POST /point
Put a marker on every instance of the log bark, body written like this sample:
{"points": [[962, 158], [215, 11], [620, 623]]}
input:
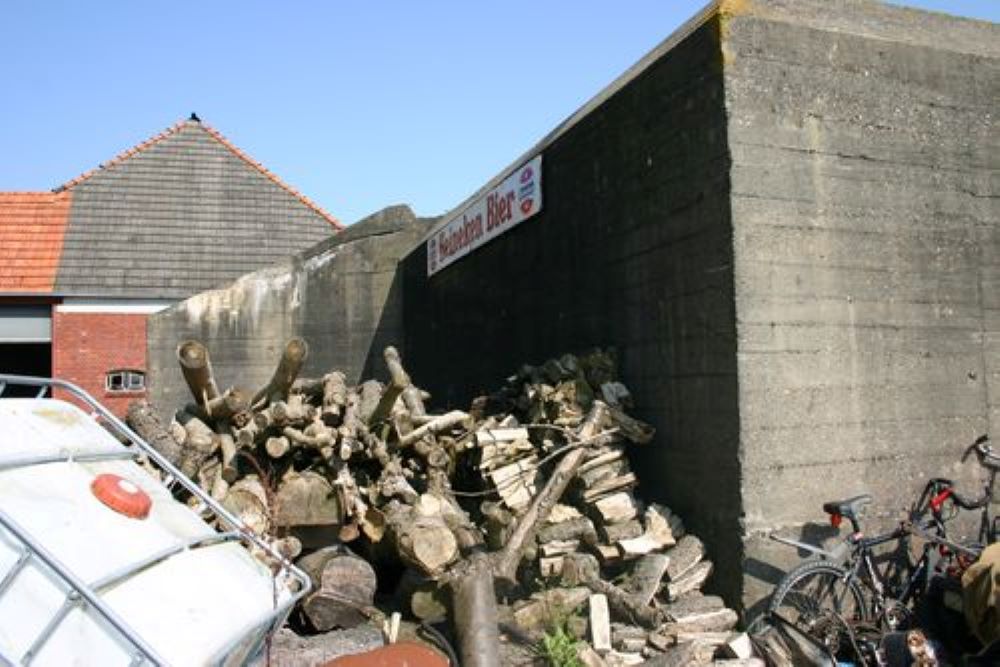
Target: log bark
{"points": [[228, 404], [433, 427], [683, 557], [247, 500], [425, 543], [625, 606], [293, 356], [334, 398], [646, 577], [581, 529], [306, 499], [196, 367], [144, 420], [473, 599], [201, 442], [345, 589], [412, 397]]}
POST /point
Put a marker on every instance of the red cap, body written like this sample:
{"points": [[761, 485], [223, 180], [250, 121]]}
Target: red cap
{"points": [[121, 495]]}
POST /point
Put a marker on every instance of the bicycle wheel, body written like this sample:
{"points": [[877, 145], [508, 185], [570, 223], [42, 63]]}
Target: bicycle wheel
{"points": [[818, 599]]}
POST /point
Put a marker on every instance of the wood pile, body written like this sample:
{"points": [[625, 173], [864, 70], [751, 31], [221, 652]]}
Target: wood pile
{"points": [[527, 496]]}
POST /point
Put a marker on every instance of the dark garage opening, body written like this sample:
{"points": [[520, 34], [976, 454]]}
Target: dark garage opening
{"points": [[25, 359]]}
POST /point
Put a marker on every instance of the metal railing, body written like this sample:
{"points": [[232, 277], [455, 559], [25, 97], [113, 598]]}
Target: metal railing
{"points": [[83, 594]]}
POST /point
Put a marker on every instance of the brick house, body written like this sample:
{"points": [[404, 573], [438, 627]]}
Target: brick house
{"points": [[82, 266]]}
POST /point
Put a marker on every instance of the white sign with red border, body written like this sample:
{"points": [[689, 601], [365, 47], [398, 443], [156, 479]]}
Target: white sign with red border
{"points": [[515, 200]]}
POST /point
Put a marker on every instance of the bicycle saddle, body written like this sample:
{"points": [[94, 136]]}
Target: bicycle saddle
{"points": [[848, 508]]}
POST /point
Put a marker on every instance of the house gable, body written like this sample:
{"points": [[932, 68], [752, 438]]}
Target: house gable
{"points": [[178, 214]]}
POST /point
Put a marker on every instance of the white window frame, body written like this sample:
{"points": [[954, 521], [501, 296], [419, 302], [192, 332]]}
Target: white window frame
{"points": [[130, 381]]}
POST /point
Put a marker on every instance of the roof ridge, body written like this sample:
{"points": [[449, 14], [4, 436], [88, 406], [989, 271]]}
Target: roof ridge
{"points": [[121, 157], [218, 136]]}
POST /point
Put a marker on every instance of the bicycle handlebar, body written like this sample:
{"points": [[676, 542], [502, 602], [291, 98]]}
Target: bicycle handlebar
{"points": [[984, 453]]}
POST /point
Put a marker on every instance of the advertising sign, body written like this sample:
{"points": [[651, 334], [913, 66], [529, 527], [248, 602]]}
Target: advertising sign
{"points": [[515, 200]]}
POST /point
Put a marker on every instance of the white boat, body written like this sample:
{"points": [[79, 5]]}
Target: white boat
{"points": [[100, 565]]}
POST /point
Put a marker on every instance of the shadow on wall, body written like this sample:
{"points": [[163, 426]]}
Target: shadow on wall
{"points": [[388, 331], [767, 574]]}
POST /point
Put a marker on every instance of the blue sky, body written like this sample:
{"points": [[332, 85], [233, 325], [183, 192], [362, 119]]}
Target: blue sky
{"points": [[356, 104]]}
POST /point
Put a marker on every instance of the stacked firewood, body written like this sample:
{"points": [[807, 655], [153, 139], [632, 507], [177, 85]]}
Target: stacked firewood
{"points": [[530, 488]]}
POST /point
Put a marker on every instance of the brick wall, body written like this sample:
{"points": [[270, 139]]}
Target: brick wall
{"points": [[85, 346]]}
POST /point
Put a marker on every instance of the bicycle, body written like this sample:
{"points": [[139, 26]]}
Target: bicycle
{"points": [[844, 596]]}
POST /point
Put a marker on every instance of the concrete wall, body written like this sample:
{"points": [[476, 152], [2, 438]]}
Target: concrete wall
{"points": [[342, 296], [785, 220], [865, 156], [633, 248]]}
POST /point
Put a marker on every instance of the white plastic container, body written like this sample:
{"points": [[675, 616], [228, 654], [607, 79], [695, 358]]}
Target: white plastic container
{"points": [[208, 604]]}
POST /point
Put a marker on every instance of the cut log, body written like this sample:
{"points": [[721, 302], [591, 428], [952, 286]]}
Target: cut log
{"points": [[196, 367], [600, 623], [277, 389], [638, 546], [334, 398], [593, 477], [228, 449], [288, 649], [693, 605], [145, 421], [609, 485], [716, 620], [436, 425], [602, 458], [306, 499], [580, 529], [577, 568], [691, 580], [558, 548], [624, 530], [201, 442], [524, 532], [616, 394], [247, 501], [493, 436], [688, 553], [412, 396], [616, 507], [543, 609], [625, 606], [473, 600], [517, 483], [646, 577], [657, 522], [277, 446], [224, 406], [633, 429], [422, 542], [345, 591], [562, 513], [551, 566], [608, 554], [369, 393]]}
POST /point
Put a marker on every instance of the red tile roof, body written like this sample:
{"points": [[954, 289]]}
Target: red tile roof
{"points": [[32, 226], [215, 134]]}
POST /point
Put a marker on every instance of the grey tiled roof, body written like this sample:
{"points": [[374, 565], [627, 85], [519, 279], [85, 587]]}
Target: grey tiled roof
{"points": [[182, 213]]}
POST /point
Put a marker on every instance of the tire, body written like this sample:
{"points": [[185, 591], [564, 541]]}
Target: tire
{"points": [[815, 598]]}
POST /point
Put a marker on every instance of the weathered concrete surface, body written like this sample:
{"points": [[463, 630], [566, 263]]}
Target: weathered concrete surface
{"points": [[786, 222], [633, 248], [342, 296], [864, 194]]}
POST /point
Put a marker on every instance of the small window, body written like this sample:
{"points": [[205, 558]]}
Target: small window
{"points": [[125, 381]]}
